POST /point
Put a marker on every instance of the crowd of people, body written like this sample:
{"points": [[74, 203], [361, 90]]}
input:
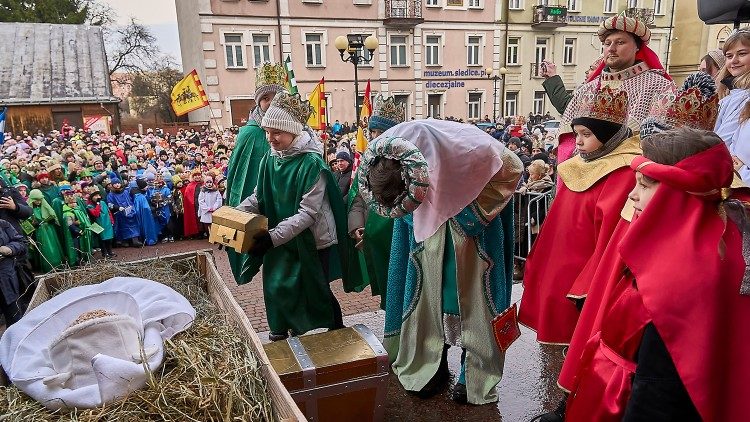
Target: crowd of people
{"points": [[424, 214]]}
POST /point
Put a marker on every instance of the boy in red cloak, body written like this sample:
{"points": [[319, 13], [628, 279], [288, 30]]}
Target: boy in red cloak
{"points": [[671, 344], [190, 194], [593, 189], [695, 106]]}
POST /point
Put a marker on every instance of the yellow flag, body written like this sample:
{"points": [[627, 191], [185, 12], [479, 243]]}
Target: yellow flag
{"points": [[365, 112], [188, 94], [317, 100]]}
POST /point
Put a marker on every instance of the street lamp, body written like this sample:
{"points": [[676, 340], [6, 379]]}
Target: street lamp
{"points": [[352, 43], [495, 76]]}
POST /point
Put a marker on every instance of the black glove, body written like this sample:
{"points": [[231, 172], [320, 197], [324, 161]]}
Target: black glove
{"points": [[262, 244]]}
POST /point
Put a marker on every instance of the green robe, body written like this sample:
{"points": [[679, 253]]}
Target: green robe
{"points": [[46, 253], [71, 253], [295, 289], [104, 221], [242, 176], [375, 253], [87, 236], [51, 192]]}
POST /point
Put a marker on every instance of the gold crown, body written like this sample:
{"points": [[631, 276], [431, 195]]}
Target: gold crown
{"points": [[294, 104], [270, 74], [389, 109], [693, 106], [606, 104]]}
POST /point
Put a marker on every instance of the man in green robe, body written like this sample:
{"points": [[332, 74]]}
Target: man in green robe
{"points": [[249, 148], [306, 246], [46, 252], [64, 234], [372, 232], [49, 189]]}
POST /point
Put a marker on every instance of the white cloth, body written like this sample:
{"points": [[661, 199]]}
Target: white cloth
{"points": [[60, 366], [208, 202], [462, 158]]}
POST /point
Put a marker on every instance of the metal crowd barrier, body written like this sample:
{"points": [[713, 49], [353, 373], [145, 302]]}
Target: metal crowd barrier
{"points": [[530, 211]]}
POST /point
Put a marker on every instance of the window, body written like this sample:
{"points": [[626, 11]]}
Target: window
{"points": [[515, 4], [432, 3], [314, 50], [261, 49], [475, 106], [398, 51], [539, 102], [403, 99], [658, 7], [434, 103], [475, 4], [363, 52], [541, 49], [574, 5], [511, 103], [543, 2], [610, 6], [632, 3], [474, 48], [432, 50], [233, 48], [569, 51], [512, 53]]}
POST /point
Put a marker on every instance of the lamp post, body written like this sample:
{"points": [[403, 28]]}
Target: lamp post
{"points": [[352, 43], [495, 76]]}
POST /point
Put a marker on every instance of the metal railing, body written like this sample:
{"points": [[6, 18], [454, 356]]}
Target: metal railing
{"points": [[403, 9], [555, 15], [531, 210]]}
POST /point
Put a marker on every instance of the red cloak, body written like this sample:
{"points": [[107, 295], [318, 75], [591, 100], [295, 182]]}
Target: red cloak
{"points": [[578, 225], [190, 219], [687, 262]]}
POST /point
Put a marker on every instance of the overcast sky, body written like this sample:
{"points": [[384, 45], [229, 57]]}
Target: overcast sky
{"points": [[159, 15]]}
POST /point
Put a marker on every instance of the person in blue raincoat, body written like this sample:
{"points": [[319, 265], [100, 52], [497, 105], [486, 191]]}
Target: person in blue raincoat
{"points": [[146, 224], [160, 198], [122, 206]]}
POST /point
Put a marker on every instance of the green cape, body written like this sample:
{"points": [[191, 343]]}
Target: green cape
{"points": [[46, 252], [242, 176]]}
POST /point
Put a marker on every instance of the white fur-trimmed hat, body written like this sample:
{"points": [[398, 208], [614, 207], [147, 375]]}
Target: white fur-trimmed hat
{"points": [[288, 113]]}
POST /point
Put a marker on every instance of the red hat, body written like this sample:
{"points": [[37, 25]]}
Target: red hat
{"points": [[40, 176]]}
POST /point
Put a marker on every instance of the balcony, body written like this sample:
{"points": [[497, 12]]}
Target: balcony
{"points": [[549, 17], [644, 15], [403, 13]]}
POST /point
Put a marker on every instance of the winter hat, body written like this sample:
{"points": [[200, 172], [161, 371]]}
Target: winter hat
{"points": [[41, 176], [141, 183], [718, 57], [386, 114], [288, 113], [343, 155], [269, 78]]}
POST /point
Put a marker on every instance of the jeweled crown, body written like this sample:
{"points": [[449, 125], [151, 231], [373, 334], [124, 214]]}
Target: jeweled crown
{"points": [[294, 104], [270, 74], [606, 104], [389, 109], [696, 105]]}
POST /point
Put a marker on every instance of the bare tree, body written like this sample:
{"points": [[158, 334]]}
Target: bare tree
{"points": [[133, 48]]}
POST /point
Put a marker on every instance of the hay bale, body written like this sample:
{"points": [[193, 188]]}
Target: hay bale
{"points": [[209, 373]]}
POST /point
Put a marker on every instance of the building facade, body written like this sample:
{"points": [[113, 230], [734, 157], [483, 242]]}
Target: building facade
{"points": [[55, 75], [432, 54]]}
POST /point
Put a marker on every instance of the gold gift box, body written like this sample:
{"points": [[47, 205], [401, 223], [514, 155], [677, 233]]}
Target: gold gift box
{"points": [[235, 229]]}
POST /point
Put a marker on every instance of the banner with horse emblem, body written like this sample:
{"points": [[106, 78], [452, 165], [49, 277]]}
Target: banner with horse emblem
{"points": [[188, 94]]}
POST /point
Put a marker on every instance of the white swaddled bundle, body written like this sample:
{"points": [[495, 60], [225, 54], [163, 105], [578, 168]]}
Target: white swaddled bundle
{"points": [[92, 344]]}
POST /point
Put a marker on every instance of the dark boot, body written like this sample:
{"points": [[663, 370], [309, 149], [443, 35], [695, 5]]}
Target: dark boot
{"points": [[277, 336], [439, 381], [557, 415], [134, 242], [459, 394]]}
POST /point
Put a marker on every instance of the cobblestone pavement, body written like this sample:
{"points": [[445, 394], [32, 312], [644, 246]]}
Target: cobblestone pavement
{"points": [[249, 296]]}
